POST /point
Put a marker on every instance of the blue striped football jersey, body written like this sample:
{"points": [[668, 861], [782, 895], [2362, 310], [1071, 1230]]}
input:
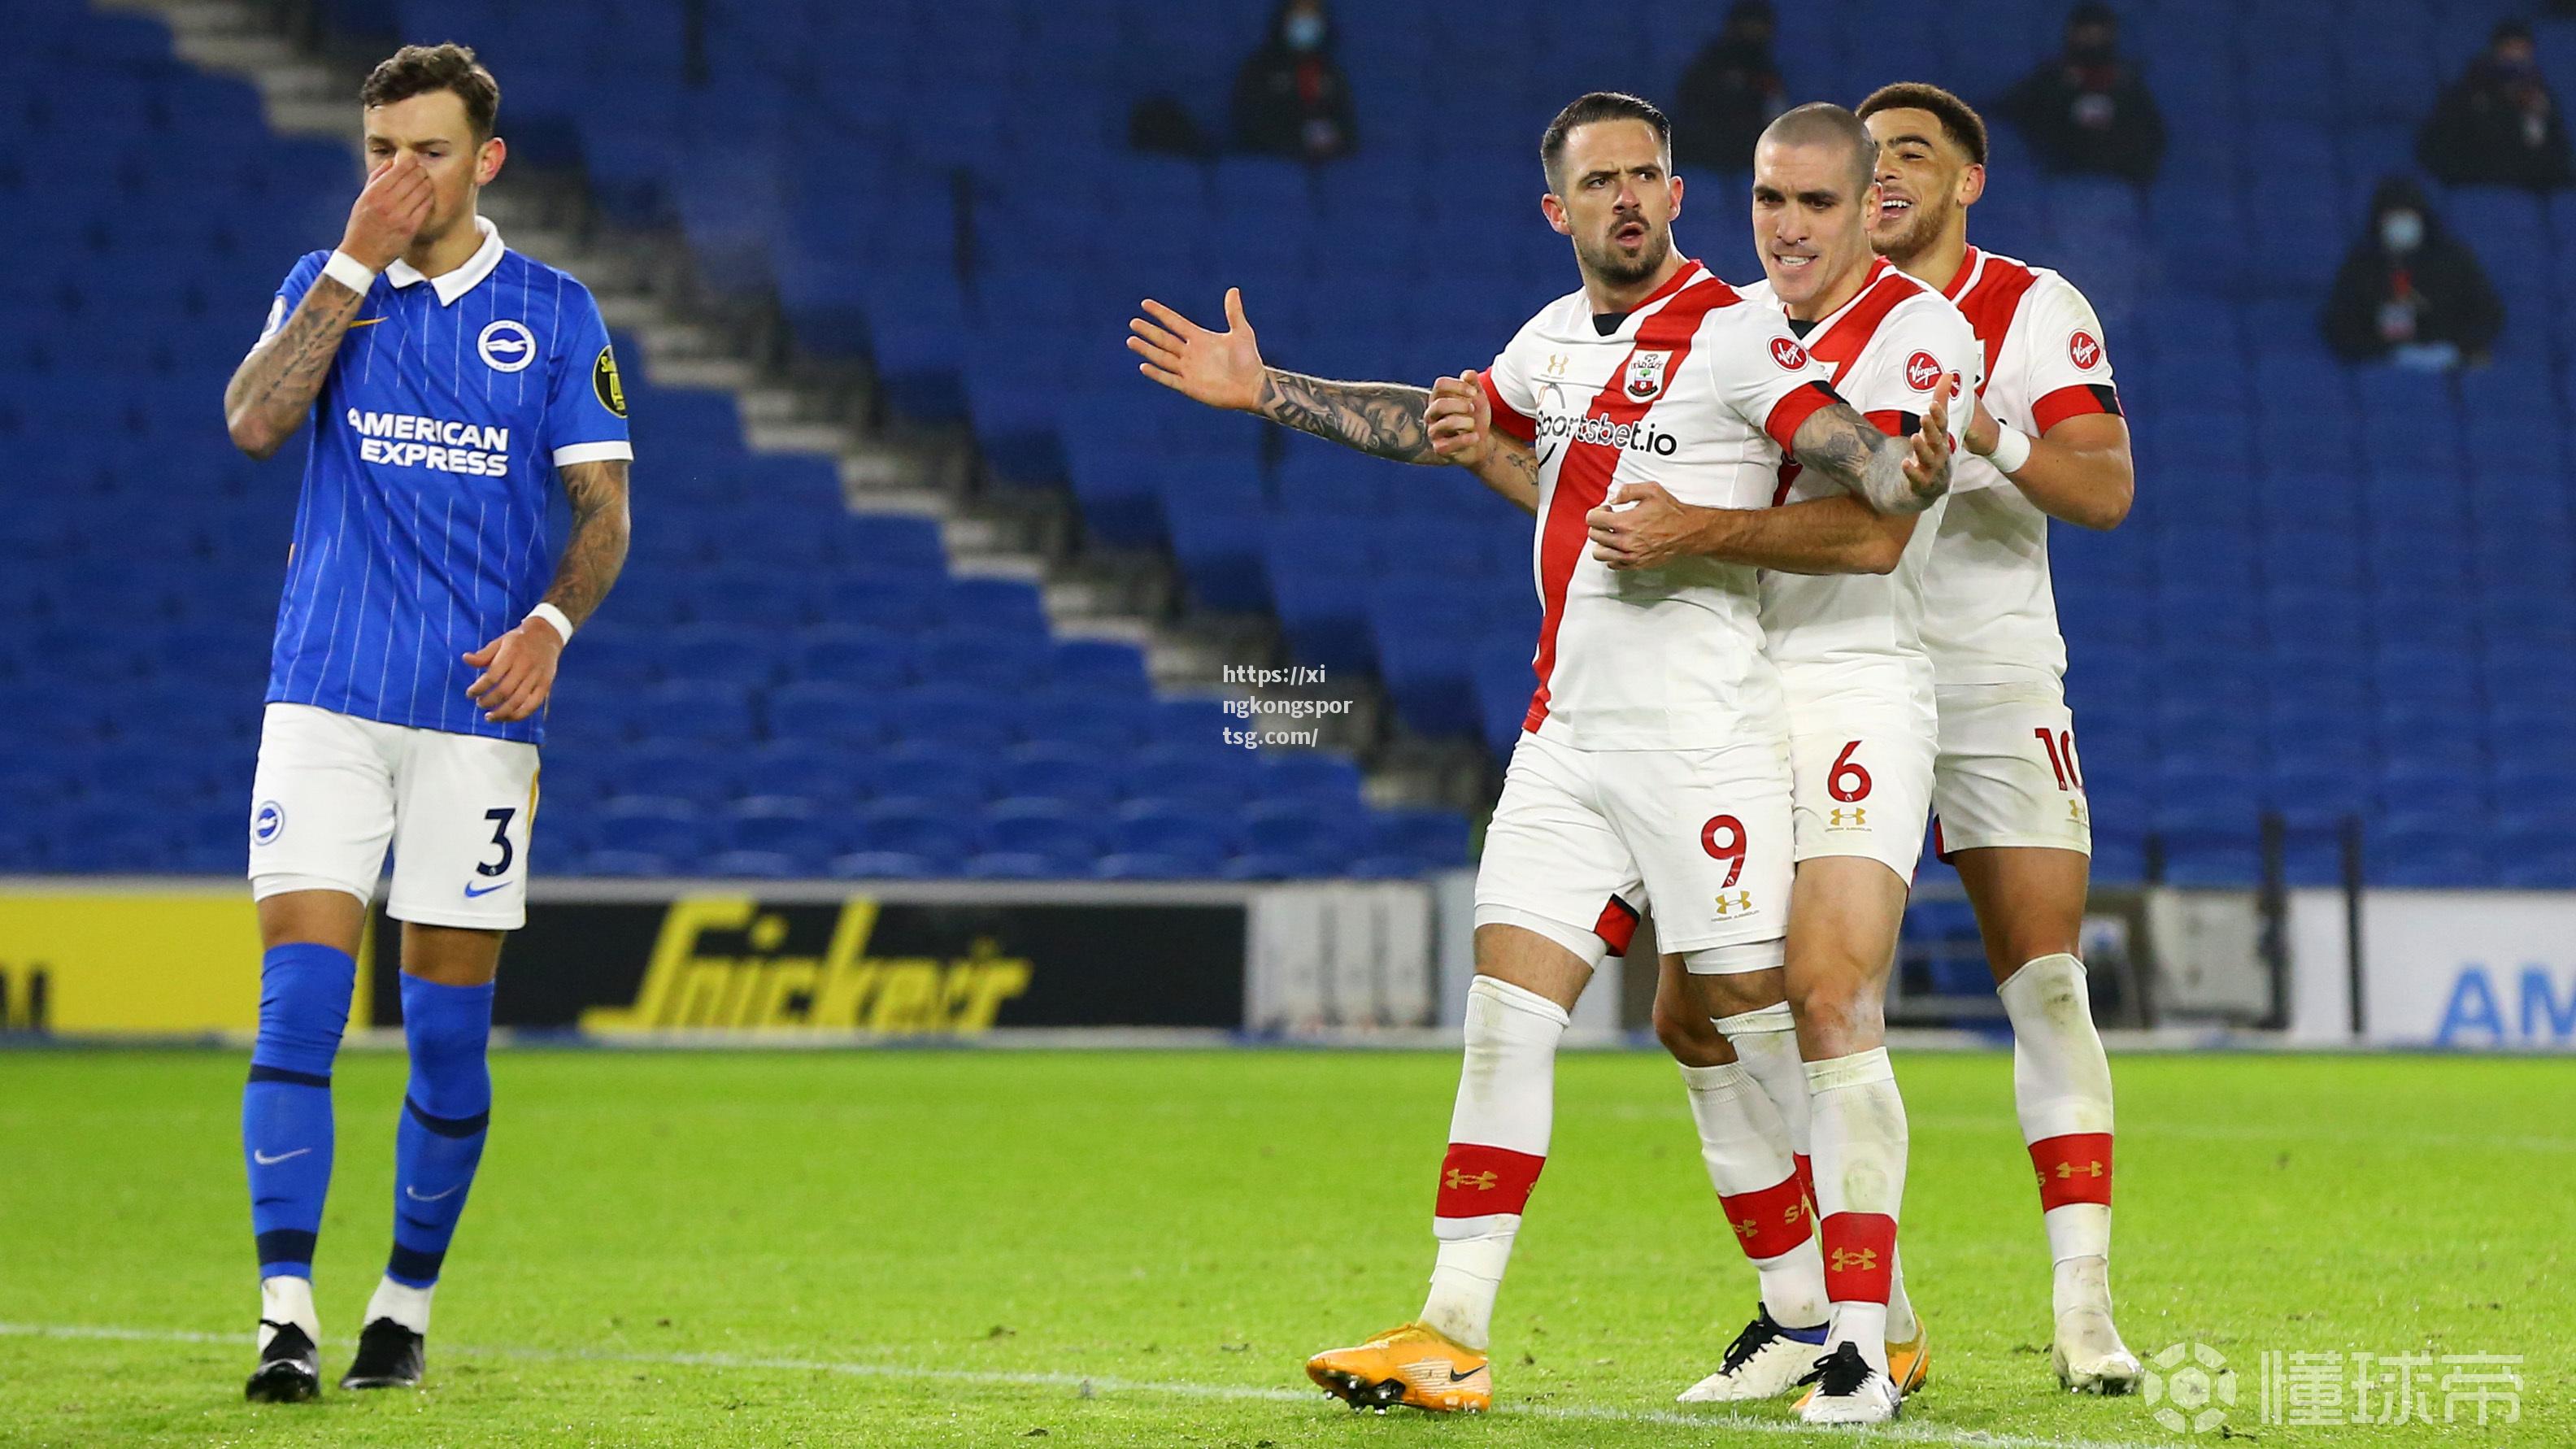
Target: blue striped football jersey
{"points": [[423, 534]]}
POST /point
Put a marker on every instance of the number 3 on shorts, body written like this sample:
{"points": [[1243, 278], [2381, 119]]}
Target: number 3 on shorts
{"points": [[500, 819], [1732, 851]]}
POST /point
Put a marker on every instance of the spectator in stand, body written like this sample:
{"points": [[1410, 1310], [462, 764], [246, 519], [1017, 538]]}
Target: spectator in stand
{"points": [[2498, 125], [2086, 111], [2409, 292], [1731, 91], [1290, 99]]}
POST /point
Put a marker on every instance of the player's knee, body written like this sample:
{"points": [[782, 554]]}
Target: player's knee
{"points": [[1690, 1036], [2015, 944], [311, 913], [443, 1037], [304, 996], [1836, 1006], [451, 956]]}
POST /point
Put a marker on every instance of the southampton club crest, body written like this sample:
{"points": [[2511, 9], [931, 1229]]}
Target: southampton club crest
{"points": [[1646, 375]]}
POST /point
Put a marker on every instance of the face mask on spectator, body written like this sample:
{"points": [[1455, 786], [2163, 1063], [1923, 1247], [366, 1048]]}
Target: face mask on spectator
{"points": [[1305, 31], [2401, 231]]}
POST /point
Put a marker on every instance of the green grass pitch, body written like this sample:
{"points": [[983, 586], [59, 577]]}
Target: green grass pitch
{"points": [[1139, 1248]]}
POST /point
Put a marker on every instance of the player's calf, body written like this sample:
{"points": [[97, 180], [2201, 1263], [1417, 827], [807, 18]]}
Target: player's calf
{"points": [[446, 1115]]}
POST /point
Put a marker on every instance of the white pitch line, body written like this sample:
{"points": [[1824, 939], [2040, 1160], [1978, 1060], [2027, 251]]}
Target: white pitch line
{"points": [[1087, 1385]]}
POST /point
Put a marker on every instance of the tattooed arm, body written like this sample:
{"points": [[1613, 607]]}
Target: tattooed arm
{"points": [[275, 386], [597, 551], [519, 667], [1383, 419], [1891, 475], [1511, 470]]}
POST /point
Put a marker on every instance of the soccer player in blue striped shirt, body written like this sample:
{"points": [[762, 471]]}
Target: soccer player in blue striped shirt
{"points": [[447, 379]]}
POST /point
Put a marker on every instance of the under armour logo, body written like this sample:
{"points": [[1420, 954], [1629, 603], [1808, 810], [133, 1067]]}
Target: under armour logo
{"points": [[1859, 817], [1740, 901], [1845, 1260], [1463, 1181]]}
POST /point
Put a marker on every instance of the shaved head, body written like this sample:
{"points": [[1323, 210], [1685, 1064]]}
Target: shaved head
{"points": [[1822, 123]]}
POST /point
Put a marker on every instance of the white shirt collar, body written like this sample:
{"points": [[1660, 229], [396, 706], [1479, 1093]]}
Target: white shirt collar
{"points": [[454, 284]]}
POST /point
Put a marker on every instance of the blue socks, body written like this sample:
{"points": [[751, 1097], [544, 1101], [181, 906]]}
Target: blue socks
{"points": [[286, 1107], [446, 1109], [287, 1127]]}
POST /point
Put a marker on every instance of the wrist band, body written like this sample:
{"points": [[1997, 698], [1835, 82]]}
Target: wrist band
{"points": [[2012, 449], [562, 622], [349, 272]]}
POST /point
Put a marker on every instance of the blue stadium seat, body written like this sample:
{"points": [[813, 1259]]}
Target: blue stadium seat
{"points": [[1176, 828], [673, 829], [920, 828]]}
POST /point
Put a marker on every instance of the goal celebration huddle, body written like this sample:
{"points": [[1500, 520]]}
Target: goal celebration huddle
{"points": [[1790, 545]]}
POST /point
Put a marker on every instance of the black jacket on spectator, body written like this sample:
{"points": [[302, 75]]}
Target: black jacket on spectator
{"points": [[2498, 125], [2431, 293], [1292, 100], [2086, 110], [1731, 91]]}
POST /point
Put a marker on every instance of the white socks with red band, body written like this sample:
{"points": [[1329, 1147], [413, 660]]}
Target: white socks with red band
{"points": [[1497, 1145], [2061, 1089], [1749, 1163], [1766, 1046], [1860, 1181]]}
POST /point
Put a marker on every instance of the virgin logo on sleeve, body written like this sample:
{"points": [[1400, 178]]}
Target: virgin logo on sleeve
{"points": [[2084, 351], [1786, 352], [1921, 371]]}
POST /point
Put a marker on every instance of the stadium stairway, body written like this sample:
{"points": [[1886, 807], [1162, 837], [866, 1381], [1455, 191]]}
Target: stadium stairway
{"points": [[825, 657]]}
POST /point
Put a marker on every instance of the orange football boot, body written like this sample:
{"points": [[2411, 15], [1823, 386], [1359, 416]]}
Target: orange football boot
{"points": [[1415, 1364]]}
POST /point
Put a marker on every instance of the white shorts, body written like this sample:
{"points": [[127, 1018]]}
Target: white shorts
{"points": [[1863, 780], [1583, 840], [2008, 775], [333, 790]]}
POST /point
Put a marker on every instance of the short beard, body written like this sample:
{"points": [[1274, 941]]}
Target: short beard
{"points": [[1922, 227], [1618, 271]]}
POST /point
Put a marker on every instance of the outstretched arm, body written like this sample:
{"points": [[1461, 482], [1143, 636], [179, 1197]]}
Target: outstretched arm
{"points": [[1379, 418], [519, 667], [1225, 370], [274, 387]]}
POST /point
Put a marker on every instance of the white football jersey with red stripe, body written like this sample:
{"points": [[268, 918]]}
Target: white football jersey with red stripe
{"points": [[1990, 615], [1696, 390], [1889, 347]]}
